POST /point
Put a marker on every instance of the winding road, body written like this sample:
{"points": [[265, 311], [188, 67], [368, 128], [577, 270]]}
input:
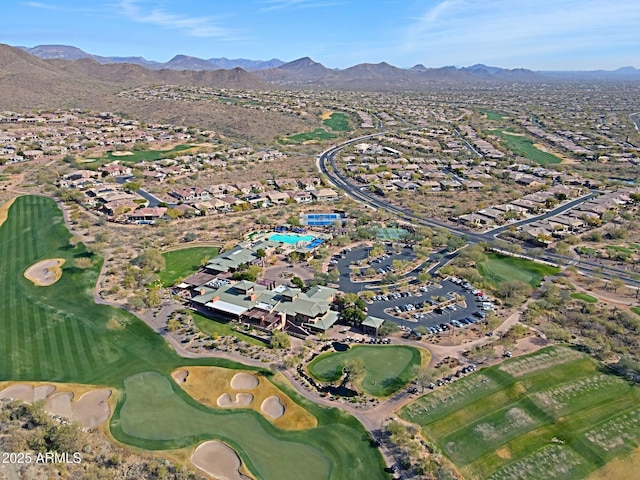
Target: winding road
{"points": [[326, 165]]}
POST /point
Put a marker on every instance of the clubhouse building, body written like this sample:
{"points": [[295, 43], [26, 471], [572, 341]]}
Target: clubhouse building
{"points": [[269, 307]]}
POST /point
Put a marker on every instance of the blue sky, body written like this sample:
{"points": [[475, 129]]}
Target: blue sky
{"points": [[536, 34]]}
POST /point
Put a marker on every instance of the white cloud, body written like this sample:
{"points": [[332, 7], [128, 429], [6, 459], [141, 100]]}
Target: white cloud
{"points": [[204, 26], [298, 4]]}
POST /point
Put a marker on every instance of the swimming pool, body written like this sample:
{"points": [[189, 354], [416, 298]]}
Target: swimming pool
{"points": [[290, 238]]}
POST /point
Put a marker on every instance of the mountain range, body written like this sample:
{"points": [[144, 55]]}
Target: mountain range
{"points": [[50, 62], [179, 62]]}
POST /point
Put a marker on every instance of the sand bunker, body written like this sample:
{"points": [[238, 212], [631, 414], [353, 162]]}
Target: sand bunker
{"points": [[180, 376], [90, 410], [4, 210], [244, 381], [273, 407], [124, 153], [27, 393], [46, 272], [241, 400], [218, 460]]}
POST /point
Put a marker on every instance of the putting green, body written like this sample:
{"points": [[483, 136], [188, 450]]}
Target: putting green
{"points": [[388, 367], [150, 396]]}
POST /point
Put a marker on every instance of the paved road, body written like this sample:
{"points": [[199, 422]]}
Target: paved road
{"points": [[326, 165]]}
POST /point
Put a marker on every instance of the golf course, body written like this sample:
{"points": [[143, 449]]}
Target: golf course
{"points": [[501, 268], [387, 367], [57, 333], [556, 413]]}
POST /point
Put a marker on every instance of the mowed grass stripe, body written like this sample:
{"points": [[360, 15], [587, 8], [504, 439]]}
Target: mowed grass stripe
{"points": [[83, 344], [133, 347], [26, 325]]}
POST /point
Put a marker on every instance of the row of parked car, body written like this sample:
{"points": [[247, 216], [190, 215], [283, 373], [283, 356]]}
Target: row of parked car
{"points": [[463, 322], [391, 296]]}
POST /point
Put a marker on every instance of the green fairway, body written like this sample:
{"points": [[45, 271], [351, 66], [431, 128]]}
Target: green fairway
{"points": [[388, 368], [636, 310], [146, 155], [58, 334], [521, 145], [555, 406], [182, 263], [585, 297], [501, 268], [493, 116], [338, 122], [318, 134]]}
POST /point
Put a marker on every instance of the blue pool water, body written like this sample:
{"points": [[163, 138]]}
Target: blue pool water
{"points": [[290, 238]]}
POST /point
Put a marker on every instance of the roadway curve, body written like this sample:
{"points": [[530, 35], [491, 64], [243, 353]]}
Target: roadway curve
{"points": [[326, 165]]}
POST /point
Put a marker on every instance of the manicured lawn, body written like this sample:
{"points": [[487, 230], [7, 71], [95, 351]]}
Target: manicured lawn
{"points": [[221, 328], [636, 310], [586, 251], [620, 248], [338, 122], [59, 334], [523, 146], [555, 413], [318, 134], [184, 262], [388, 368], [584, 297], [500, 268]]}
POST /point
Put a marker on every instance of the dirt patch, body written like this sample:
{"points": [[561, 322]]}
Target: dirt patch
{"points": [[208, 384], [273, 407], [46, 272], [624, 467], [548, 150], [4, 211], [241, 400], [90, 410], [218, 460], [504, 453], [244, 381]]}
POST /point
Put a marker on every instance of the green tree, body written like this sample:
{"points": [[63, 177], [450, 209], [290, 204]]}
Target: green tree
{"points": [[355, 370], [280, 340], [298, 282]]}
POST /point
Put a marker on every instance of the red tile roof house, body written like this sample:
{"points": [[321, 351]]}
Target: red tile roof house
{"points": [[193, 194], [147, 214], [114, 170]]}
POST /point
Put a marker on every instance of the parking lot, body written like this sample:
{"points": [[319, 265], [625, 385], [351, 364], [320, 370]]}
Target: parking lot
{"points": [[418, 300]]}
